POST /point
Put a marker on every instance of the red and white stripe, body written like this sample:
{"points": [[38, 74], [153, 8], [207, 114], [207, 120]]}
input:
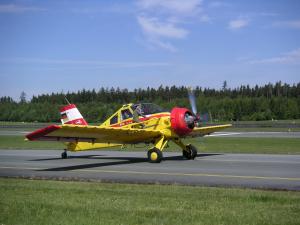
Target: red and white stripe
{"points": [[71, 115]]}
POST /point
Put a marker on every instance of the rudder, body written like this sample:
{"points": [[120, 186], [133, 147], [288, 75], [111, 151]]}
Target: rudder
{"points": [[71, 115]]}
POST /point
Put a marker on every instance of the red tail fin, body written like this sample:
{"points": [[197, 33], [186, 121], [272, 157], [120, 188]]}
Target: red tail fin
{"points": [[71, 115]]}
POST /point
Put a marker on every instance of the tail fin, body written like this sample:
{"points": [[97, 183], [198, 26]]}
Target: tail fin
{"points": [[71, 115]]}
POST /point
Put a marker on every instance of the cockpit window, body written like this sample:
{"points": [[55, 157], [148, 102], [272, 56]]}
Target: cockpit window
{"points": [[148, 108], [114, 120], [126, 114]]}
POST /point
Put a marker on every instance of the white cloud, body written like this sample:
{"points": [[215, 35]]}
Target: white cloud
{"points": [[163, 44], [156, 28], [295, 24], [238, 23], [292, 57], [13, 8], [164, 20], [172, 6]]}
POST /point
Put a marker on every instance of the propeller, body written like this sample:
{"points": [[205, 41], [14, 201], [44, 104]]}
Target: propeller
{"points": [[192, 100], [195, 119]]}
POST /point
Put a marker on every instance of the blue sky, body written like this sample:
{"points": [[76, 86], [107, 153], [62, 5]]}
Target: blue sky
{"points": [[54, 46]]}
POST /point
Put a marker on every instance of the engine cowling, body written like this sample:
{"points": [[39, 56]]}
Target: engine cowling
{"points": [[182, 121]]}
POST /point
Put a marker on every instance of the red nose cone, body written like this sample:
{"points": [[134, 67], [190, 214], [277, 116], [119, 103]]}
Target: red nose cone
{"points": [[178, 122]]}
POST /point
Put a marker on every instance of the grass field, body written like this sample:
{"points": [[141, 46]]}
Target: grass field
{"points": [[248, 145], [56, 202], [206, 145], [262, 129]]}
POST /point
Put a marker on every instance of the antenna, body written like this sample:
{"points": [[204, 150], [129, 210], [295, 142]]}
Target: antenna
{"points": [[67, 100]]}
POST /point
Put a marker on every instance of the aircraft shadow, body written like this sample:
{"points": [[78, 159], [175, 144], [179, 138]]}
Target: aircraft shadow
{"points": [[124, 161], [70, 157]]}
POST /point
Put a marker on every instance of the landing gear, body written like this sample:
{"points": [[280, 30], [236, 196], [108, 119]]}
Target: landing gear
{"points": [[190, 152], [64, 155], [154, 155]]}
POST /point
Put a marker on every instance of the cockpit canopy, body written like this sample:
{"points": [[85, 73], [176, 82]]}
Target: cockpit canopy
{"points": [[148, 108], [127, 112]]}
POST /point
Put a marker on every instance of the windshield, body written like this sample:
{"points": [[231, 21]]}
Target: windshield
{"points": [[149, 108]]}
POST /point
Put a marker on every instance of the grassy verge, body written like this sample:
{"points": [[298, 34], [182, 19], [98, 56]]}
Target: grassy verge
{"points": [[206, 145], [262, 129], [248, 145], [56, 202]]}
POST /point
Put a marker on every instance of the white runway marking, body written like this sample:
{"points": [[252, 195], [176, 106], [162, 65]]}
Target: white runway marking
{"points": [[222, 134]]}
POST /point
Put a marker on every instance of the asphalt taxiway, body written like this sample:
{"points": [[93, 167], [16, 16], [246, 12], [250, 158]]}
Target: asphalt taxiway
{"points": [[230, 170]]}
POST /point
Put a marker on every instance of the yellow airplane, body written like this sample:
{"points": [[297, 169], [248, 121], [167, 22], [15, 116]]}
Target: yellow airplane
{"points": [[131, 124]]}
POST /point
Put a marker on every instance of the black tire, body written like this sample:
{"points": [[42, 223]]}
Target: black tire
{"points": [[186, 154], [64, 155], [154, 155], [194, 152], [190, 152]]}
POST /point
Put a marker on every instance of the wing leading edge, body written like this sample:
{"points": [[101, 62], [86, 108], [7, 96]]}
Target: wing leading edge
{"points": [[201, 131], [93, 134]]}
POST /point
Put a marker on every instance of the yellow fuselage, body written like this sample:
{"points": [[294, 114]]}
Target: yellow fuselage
{"points": [[158, 121]]}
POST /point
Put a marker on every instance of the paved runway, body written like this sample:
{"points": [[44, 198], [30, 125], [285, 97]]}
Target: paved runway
{"points": [[229, 170]]}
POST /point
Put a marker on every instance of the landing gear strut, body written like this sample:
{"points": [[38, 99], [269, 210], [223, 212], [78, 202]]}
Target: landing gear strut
{"points": [[155, 155], [190, 152], [64, 155]]}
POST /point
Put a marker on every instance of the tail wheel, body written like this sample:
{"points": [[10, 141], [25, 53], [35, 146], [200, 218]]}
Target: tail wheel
{"points": [[190, 152], [64, 155], [155, 155]]}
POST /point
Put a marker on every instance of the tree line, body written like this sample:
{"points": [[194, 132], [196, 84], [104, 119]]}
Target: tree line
{"points": [[266, 102]]}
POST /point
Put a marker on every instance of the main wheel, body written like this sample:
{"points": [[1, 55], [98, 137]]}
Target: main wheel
{"points": [[64, 155], [155, 155], [190, 152], [186, 154]]}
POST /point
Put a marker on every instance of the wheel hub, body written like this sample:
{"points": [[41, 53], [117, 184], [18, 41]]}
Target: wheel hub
{"points": [[153, 156]]}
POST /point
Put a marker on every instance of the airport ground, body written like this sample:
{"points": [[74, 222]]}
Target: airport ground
{"points": [[30, 201]]}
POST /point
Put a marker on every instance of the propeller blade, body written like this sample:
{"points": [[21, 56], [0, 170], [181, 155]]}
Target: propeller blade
{"points": [[192, 100]]}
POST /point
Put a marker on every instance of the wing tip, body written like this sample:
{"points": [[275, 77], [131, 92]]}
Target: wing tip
{"points": [[41, 132]]}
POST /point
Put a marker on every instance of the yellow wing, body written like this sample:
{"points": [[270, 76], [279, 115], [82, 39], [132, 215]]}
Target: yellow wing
{"points": [[201, 131], [94, 134]]}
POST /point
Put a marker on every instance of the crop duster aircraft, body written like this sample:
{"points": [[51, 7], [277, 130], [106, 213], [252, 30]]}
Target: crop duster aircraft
{"points": [[131, 124]]}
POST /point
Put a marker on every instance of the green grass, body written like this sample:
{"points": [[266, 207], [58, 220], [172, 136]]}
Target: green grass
{"points": [[56, 202], [248, 145], [205, 145], [270, 122], [262, 129]]}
